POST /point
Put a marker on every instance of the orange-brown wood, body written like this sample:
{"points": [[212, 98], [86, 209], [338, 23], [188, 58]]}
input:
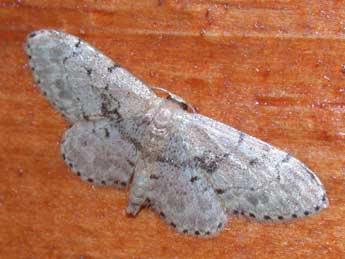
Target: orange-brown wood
{"points": [[273, 69]]}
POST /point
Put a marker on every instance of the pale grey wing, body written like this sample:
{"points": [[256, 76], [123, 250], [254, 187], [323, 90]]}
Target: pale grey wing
{"points": [[186, 201], [98, 153], [80, 81], [251, 177]]}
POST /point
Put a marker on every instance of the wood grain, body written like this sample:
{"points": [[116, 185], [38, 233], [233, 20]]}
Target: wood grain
{"points": [[273, 69]]}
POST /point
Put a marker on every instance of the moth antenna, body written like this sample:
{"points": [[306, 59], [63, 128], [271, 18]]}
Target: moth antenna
{"points": [[177, 99]]}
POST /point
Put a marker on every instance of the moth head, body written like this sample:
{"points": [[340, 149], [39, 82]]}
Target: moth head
{"points": [[163, 117]]}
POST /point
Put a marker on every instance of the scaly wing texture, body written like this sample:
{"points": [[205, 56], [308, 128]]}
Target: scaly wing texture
{"points": [[206, 171], [80, 81], [251, 177], [185, 200], [98, 153]]}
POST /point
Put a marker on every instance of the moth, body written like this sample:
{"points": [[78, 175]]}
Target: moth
{"points": [[195, 172]]}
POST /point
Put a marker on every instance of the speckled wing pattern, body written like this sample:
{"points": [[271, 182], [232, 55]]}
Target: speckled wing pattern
{"points": [[194, 171]]}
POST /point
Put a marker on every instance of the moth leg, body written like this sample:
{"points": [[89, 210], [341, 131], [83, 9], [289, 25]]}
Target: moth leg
{"points": [[99, 154]]}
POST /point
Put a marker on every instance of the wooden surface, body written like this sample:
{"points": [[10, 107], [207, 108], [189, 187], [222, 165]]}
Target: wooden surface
{"points": [[273, 69]]}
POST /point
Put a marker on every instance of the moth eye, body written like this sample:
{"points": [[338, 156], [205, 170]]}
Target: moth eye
{"points": [[162, 118]]}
